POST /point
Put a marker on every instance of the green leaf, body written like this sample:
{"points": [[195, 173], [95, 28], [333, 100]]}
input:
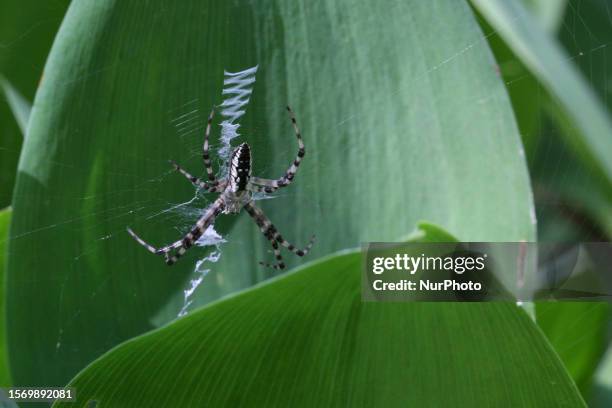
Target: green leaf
{"points": [[548, 62], [387, 99], [578, 333], [549, 13], [19, 105], [27, 28], [307, 339], [428, 232], [601, 396], [5, 218]]}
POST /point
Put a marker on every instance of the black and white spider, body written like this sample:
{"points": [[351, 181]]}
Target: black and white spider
{"points": [[236, 193]]}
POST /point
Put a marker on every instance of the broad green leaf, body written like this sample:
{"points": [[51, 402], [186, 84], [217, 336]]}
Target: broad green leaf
{"points": [[403, 116], [5, 217], [547, 61], [27, 28], [578, 333], [307, 339], [19, 105]]}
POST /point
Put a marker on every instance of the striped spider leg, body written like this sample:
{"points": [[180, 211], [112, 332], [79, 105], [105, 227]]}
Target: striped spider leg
{"points": [[181, 246], [212, 185], [236, 192], [270, 186], [275, 238]]}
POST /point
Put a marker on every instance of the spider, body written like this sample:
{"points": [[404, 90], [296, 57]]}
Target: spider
{"points": [[236, 193]]}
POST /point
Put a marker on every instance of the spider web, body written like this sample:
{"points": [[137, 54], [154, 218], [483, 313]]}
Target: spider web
{"points": [[237, 89]]}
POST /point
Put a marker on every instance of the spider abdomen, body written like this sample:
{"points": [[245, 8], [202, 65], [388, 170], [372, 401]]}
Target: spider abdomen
{"points": [[240, 168]]}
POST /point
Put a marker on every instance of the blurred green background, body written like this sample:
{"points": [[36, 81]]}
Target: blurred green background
{"points": [[480, 117]]}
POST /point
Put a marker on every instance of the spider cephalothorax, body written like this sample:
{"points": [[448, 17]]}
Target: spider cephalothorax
{"points": [[236, 193]]}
